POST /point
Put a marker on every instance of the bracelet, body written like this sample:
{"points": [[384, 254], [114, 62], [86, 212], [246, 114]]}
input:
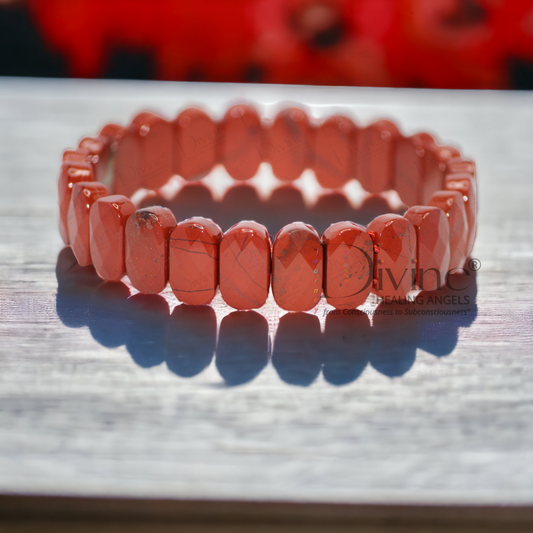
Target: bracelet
{"points": [[390, 257]]}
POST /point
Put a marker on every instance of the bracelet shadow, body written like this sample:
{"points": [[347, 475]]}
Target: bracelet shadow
{"points": [[186, 339], [285, 204]]}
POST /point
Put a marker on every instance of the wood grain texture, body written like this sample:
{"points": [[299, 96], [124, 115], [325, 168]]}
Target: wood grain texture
{"points": [[29, 514], [104, 396]]}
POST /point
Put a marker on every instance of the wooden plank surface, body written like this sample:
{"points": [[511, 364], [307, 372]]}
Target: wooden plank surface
{"points": [[23, 514], [104, 396]]}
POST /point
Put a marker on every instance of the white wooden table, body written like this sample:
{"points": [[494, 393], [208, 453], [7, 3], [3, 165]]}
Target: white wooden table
{"points": [[328, 420]]}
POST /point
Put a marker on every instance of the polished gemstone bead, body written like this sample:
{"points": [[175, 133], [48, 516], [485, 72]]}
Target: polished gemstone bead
{"points": [[193, 260], [466, 184], [147, 237], [432, 245], [111, 134], [245, 265], [458, 165], [84, 195], [241, 141], [417, 174], [444, 154], [452, 203], [409, 168], [334, 151], [297, 271], [348, 264], [156, 165], [289, 144], [433, 173], [394, 255], [70, 172], [375, 156], [98, 155], [196, 144], [127, 163], [79, 154], [108, 219]]}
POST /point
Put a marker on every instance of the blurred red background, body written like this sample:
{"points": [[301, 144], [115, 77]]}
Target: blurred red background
{"points": [[400, 43]]}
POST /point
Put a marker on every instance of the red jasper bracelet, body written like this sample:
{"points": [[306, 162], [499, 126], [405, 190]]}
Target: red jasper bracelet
{"points": [[393, 255]]}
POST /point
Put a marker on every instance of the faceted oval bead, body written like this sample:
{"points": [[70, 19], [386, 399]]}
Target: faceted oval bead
{"points": [[241, 141], [70, 172], [348, 265], [147, 236], [394, 255], [98, 155], [467, 186], [289, 146], [432, 245], [452, 203], [334, 148], [156, 165], [193, 260], [444, 154], [245, 265], [458, 165], [84, 195], [433, 173], [195, 144], [127, 163], [108, 219], [375, 155], [408, 169], [111, 134], [297, 272], [417, 174], [79, 154]]}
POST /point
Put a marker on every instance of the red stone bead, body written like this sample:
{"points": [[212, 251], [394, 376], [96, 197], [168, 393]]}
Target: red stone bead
{"points": [[193, 260], [444, 154], [127, 163], [432, 245], [297, 272], [79, 154], [245, 265], [467, 186], [408, 169], [348, 266], [334, 148], [108, 219], [147, 242], [394, 255], [289, 146], [111, 135], [156, 164], [241, 141], [84, 195], [70, 172], [98, 155], [433, 173], [417, 173], [375, 154], [195, 144], [458, 165], [452, 203]]}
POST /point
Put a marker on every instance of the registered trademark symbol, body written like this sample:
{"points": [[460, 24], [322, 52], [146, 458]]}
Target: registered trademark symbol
{"points": [[474, 264]]}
